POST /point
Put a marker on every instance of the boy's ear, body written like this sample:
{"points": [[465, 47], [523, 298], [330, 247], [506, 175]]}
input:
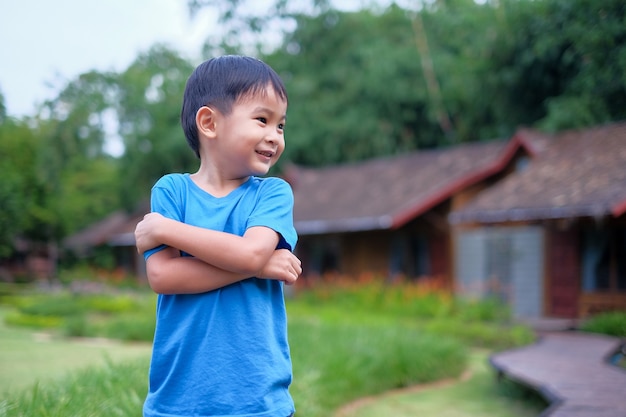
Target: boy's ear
{"points": [[206, 119]]}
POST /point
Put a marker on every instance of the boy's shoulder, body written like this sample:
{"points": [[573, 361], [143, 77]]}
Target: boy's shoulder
{"points": [[171, 179], [270, 180], [275, 183], [174, 176]]}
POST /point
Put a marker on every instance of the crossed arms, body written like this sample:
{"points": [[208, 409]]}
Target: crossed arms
{"points": [[219, 258]]}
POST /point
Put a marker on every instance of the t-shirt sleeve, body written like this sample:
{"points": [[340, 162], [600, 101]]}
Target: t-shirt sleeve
{"points": [[164, 200], [274, 209]]}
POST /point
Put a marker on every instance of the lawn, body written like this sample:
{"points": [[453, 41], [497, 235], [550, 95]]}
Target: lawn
{"points": [[345, 344], [476, 395], [28, 356]]}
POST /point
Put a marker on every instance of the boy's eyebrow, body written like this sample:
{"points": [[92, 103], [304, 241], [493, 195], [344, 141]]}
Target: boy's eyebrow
{"points": [[268, 110]]}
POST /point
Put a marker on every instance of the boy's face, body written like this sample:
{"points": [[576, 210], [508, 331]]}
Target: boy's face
{"points": [[251, 137]]}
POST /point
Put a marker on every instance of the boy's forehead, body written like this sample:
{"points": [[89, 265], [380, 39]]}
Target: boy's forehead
{"points": [[261, 95]]}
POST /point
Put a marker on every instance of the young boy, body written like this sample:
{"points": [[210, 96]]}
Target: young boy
{"points": [[218, 249]]}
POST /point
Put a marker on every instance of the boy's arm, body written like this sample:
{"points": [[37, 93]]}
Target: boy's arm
{"points": [[245, 254], [166, 267]]}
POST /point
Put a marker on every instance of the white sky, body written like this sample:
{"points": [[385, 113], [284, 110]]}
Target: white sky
{"points": [[49, 42], [46, 43]]}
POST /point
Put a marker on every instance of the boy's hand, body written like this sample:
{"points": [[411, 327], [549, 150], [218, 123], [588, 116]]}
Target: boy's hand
{"points": [[145, 232], [282, 266]]}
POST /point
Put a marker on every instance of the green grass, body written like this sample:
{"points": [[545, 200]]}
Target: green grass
{"points": [[111, 389], [27, 356], [479, 396], [123, 316], [345, 345], [335, 363]]}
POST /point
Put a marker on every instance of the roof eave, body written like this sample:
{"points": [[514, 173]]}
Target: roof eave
{"points": [[122, 239], [403, 217], [356, 224], [528, 214]]}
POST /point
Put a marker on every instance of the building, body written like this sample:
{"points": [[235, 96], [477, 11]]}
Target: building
{"points": [[551, 239], [389, 216], [538, 221]]}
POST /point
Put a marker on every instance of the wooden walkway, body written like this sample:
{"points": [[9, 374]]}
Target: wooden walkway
{"points": [[571, 370]]}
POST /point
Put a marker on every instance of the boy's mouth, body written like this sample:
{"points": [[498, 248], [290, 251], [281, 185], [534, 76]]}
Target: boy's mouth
{"points": [[267, 154]]}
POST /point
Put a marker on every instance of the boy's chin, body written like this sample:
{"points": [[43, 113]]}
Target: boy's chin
{"points": [[256, 173], [261, 171]]}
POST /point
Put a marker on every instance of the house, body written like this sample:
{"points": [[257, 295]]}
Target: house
{"points": [[389, 216], [115, 233], [551, 239], [538, 220]]}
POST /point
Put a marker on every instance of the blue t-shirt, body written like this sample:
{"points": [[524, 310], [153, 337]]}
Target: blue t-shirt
{"points": [[223, 352]]}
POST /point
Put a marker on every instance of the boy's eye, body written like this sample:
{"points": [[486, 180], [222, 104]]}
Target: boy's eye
{"points": [[262, 119], [281, 126]]}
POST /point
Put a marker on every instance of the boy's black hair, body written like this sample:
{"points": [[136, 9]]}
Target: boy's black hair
{"points": [[219, 83]]}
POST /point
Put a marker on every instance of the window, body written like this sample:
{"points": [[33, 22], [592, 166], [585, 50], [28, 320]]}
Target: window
{"points": [[410, 255], [522, 163], [604, 260]]}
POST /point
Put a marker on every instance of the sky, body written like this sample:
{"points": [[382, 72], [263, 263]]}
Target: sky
{"points": [[46, 43]]}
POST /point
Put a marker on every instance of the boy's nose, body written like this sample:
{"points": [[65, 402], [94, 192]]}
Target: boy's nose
{"points": [[273, 137]]}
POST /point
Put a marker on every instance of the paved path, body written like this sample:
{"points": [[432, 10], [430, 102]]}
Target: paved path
{"points": [[571, 370]]}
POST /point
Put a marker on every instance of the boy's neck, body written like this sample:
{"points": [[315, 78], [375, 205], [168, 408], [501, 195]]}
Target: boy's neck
{"points": [[216, 185]]}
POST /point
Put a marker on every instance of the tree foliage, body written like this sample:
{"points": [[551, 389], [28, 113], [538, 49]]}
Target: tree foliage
{"points": [[341, 110], [363, 83], [148, 109], [80, 177], [59, 177], [560, 64], [22, 197]]}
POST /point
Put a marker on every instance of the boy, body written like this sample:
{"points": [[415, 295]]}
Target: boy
{"points": [[220, 345]]}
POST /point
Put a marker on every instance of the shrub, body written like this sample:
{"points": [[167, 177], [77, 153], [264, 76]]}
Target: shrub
{"points": [[481, 334], [609, 323], [33, 321], [133, 327], [76, 327], [125, 316], [9, 289], [417, 299], [110, 304], [486, 310], [60, 306], [480, 323]]}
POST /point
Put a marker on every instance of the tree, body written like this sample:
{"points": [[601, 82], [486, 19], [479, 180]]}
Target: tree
{"points": [[3, 108], [81, 178], [560, 64], [150, 100], [355, 85], [58, 175], [361, 84], [247, 28], [375, 82], [22, 189], [461, 34]]}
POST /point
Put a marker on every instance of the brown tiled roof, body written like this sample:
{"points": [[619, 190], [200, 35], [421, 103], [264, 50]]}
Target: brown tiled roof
{"points": [[97, 233], [579, 173], [117, 229], [385, 193]]}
